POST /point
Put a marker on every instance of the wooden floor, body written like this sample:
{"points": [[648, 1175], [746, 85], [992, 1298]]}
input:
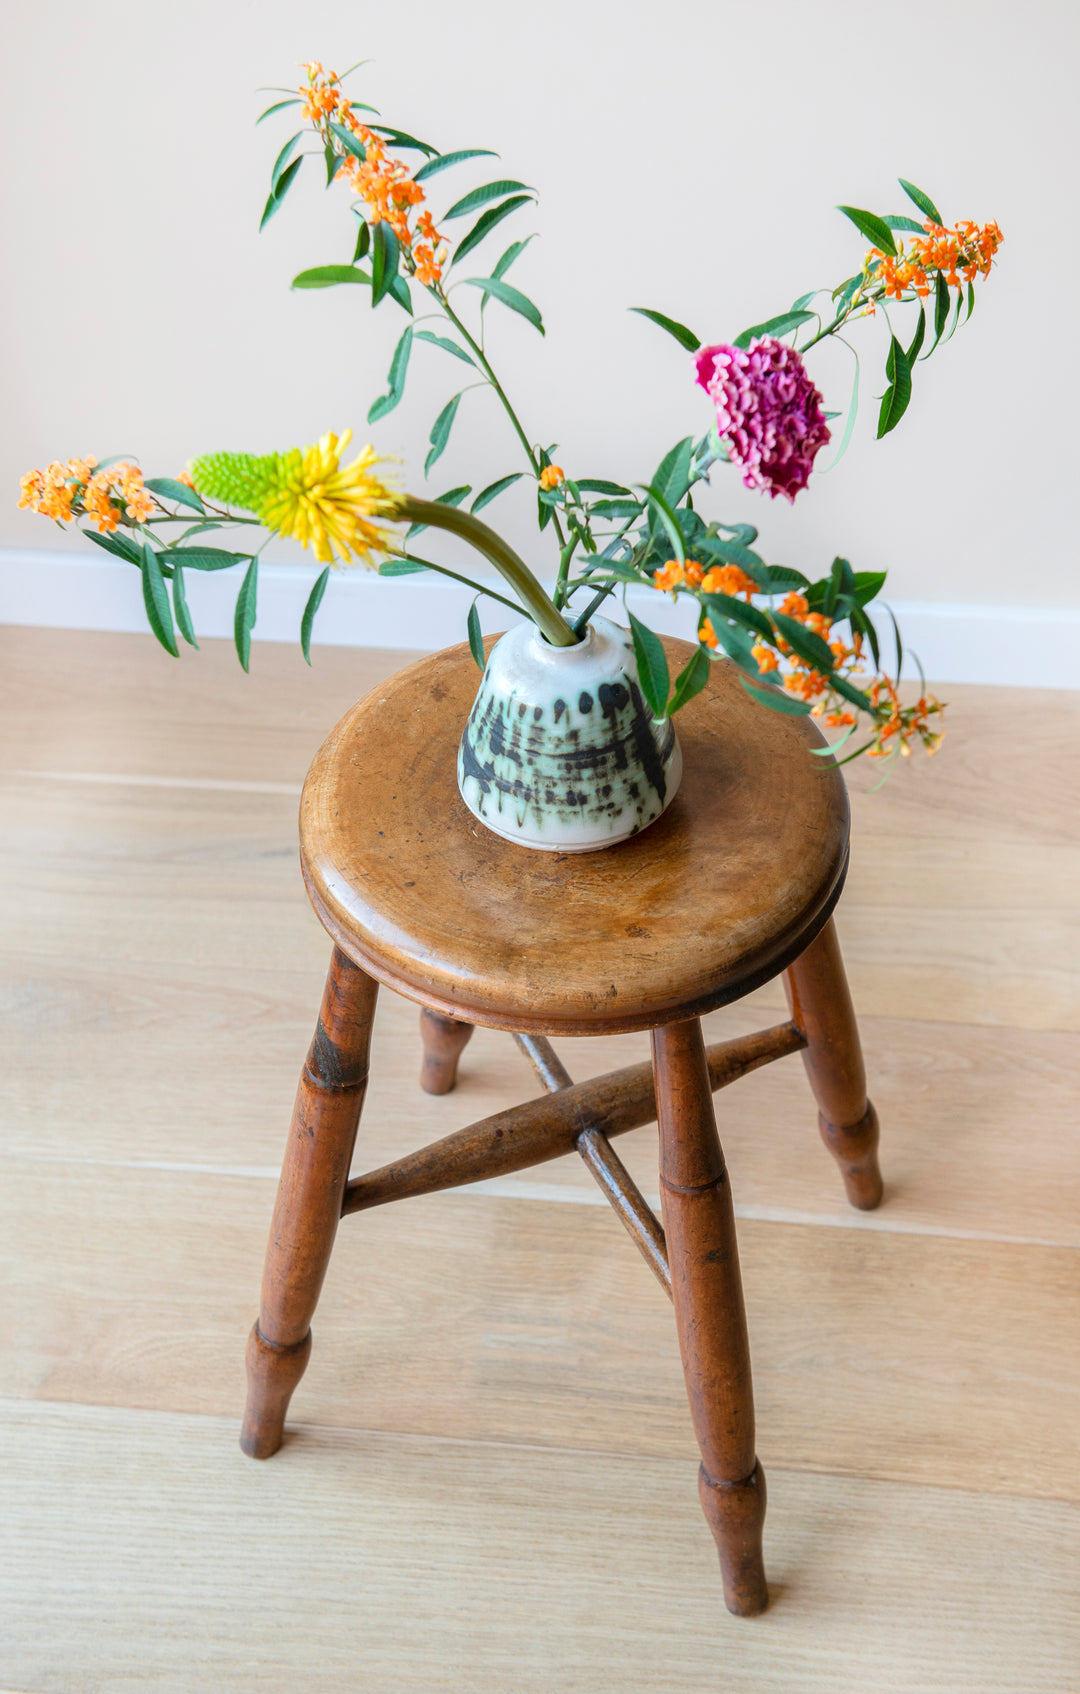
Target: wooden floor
{"points": [[490, 1483]]}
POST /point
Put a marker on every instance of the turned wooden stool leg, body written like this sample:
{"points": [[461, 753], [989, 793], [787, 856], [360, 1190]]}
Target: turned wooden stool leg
{"points": [[699, 1224], [821, 1008], [308, 1204], [445, 1039]]}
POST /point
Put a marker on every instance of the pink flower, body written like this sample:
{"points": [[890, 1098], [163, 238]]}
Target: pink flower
{"points": [[767, 410]]}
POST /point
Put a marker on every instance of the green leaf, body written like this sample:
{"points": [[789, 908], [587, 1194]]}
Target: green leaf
{"points": [[861, 623], [941, 309], [908, 225], [494, 489], [483, 196], [778, 699], [971, 301], [685, 337], [875, 229], [395, 380], [279, 107], [314, 601], [156, 601], [804, 642], [486, 222], [399, 289], [652, 666], [180, 607], [731, 553], [804, 300], [446, 345], [452, 497], [283, 158], [848, 691], [923, 201], [440, 431], [244, 620], [476, 639], [285, 182], [203, 558], [596, 485], [167, 488], [737, 645], [509, 296], [119, 545], [899, 642], [443, 161], [663, 514], [777, 579], [690, 681], [840, 582], [894, 402], [348, 141], [363, 242], [774, 326], [401, 567], [615, 508], [672, 475], [385, 251], [849, 426], [328, 276], [331, 163], [917, 338], [728, 606], [514, 251], [402, 138]]}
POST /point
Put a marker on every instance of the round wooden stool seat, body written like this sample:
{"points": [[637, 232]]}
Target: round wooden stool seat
{"points": [[721, 893]]}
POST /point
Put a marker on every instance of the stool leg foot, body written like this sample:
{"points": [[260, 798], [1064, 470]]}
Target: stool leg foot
{"points": [[445, 1039], [699, 1223], [308, 1205], [821, 1008]]}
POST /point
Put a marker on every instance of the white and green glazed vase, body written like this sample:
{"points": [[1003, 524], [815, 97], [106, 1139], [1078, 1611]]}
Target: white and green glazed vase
{"points": [[560, 751]]}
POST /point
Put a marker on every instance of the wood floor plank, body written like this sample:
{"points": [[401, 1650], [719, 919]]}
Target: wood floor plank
{"points": [[143, 1551], [911, 1358]]}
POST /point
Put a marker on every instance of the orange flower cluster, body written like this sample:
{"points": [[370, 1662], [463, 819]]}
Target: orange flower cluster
{"points": [[551, 476], [717, 579], [906, 722], [110, 497], [803, 679], [382, 183], [959, 255]]}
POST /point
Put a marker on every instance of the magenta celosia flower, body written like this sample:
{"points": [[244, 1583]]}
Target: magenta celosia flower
{"points": [[767, 410]]}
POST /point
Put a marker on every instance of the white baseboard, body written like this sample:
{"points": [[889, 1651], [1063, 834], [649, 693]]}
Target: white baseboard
{"points": [[1023, 646]]}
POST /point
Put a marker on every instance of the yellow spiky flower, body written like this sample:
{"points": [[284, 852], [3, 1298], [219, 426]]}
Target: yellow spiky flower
{"points": [[308, 495]]}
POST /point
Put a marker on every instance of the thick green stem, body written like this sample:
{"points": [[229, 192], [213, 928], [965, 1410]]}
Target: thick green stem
{"points": [[503, 557]]}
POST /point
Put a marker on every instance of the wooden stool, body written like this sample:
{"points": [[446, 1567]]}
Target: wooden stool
{"points": [[734, 884]]}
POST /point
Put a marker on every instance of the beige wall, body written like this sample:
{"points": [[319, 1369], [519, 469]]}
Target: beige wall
{"points": [[687, 157]]}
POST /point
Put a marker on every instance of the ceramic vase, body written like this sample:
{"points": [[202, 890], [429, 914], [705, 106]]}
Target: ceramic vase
{"points": [[560, 751]]}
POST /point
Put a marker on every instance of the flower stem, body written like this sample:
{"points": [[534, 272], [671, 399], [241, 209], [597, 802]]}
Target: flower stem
{"points": [[502, 556]]}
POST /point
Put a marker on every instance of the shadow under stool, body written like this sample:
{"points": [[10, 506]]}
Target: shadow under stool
{"points": [[735, 884]]}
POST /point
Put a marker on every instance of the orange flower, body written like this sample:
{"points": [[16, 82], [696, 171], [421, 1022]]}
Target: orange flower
{"points": [[551, 476], [112, 496], [794, 606], [727, 579], [707, 634], [766, 658], [669, 576], [942, 252]]}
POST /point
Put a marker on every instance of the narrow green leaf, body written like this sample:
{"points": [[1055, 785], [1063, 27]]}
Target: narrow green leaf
{"points": [[666, 517], [443, 161], [181, 608], [509, 296], [401, 138], [167, 488], [596, 485], [907, 225], [198, 529], [283, 158], [385, 252], [285, 182], [203, 558], [119, 545], [652, 666], [452, 497], [440, 431], [314, 601], [804, 642], [875, 229], [395, 380], [777, 579], [774, 326], [917, 339], [804, 300], [476, 639], [156, 601], [331, 159], [401, 567], [863, 626], [923, 201], [279, 107], [446, 345], [483, 196], [615, 508], [941, 309], [349, 141], [848, 691], [894, 402], [672, 475], [494, 489], [486, 222], [728, 606], [971, 301], [777, 699], [363, 242], [899, 643], [244, 620], [328, 276], [513, 252], [731, 553], [685, 337], [399, 290], [690, 680], [737, 645]]}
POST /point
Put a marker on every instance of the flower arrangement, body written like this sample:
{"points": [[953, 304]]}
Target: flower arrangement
{"points": [[801, 646]]}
